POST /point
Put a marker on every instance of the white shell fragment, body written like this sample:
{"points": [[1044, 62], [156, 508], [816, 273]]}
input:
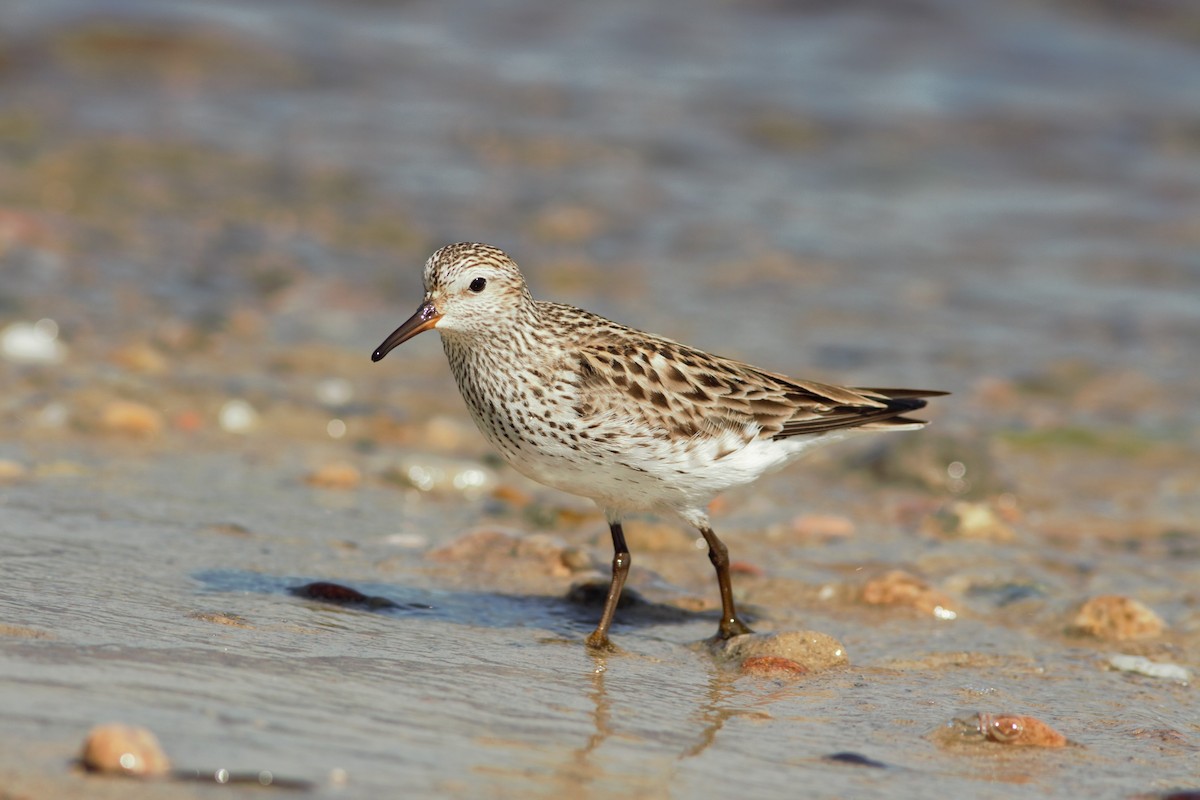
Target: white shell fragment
{"points": [[32, 342], [1154, 669], [237, 416]]}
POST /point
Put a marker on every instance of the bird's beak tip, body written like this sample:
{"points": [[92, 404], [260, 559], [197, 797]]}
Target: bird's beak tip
{"points": [[424, 319]]}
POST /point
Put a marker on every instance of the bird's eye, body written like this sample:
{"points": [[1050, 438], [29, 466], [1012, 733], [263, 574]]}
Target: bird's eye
{"points": [[478, 284]]}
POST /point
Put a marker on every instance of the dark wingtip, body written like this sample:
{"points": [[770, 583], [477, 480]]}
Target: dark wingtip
{"points": [[899, 393], [906, 404]]}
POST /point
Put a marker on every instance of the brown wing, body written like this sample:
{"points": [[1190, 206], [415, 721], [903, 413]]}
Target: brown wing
{"points": [[680, 392]]}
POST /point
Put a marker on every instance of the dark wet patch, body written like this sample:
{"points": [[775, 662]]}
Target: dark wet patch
{"points": [[592, 594], [854, 759], [338, 594]]}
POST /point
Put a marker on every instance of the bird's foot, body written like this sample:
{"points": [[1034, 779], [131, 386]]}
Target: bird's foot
{"points": [[599, 643], [730, 628]]}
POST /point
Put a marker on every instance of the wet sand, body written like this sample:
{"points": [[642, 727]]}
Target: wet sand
{"points": [[210, 215]]}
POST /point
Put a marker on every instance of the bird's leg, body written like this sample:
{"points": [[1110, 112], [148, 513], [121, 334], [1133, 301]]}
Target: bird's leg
{"points": [[718, 554], [598, 639]]}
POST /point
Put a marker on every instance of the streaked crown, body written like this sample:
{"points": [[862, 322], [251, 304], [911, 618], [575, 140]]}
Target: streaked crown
{"points": [[475, 287]]}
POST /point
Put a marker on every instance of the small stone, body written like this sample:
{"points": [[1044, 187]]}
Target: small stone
{"points": [[772, 666], [1019, 730], [811, 651], [237, 416], [577, 559], [823, 527], [1117, 618], [898, 588], [985, 730], [1154, 669], [21, 632], [188, 421], [216, 618], [131, 419], [490, 550], [507, 493], [334, 392], [854, 759], [141, 357], [124, 750], [474, 545], [338, 594], [962, 519], [32, 343], [53, 415], [409, 541], [12, 471], [336, 475]]}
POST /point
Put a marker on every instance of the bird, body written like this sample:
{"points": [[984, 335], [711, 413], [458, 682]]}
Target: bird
{"points": [[638, 423]]}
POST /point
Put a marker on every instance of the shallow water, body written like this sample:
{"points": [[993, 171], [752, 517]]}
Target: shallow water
{"points": [[229, 201]]}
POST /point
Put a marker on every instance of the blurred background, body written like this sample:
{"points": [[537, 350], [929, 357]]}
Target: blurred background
{"points": [[211, 213], [928, 190]]}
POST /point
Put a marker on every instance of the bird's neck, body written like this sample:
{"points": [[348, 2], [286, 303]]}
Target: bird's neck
{"points": [[505, 347]]}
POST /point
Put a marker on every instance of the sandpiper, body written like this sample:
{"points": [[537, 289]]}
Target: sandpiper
{"points": [[634, 421]]}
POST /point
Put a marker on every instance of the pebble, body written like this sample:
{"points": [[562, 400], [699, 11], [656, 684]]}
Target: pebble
{"points": [[32, 343], [409, 541], [237, 416], [53, 415], [1154, 669], [854, 760], [772, 666], [128, 418], [1019, 730], [962, 519], [1117, 618], [188, 421], [216, 618], [511, 495], [334, 392], [809, 651], [335, 475], [124, 750], [341, 595], [141, 357], [12, 470], [577, 559], [823, 527], [489, 550], [898, 588], [746, 568], [985, 730]]}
